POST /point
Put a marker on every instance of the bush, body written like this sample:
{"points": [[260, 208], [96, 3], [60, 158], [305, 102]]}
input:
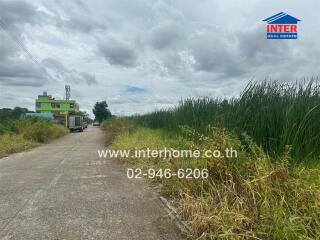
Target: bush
{"points": [[3, 128], [43, 131], [18, 135]]}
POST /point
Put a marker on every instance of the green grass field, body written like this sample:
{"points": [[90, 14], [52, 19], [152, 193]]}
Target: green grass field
{"points": [[271, 190]]}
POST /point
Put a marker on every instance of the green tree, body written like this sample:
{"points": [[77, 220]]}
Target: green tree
{"points": [[86, 117], [101, 111], [16, 113]]}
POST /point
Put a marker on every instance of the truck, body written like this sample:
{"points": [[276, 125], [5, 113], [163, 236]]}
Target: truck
{"points": [[75, 123]]}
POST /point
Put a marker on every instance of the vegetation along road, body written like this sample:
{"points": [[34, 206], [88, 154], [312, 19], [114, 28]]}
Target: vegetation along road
{"points": [[63, 191]]}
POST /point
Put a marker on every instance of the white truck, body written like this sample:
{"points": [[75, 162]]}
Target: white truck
{"points": [[75, 123]]}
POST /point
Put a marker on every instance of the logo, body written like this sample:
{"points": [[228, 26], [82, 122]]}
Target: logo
{"points": [[282, 26]]}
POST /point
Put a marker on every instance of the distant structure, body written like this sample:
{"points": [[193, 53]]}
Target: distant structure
{"points": [[59, 108], [68, 90], [41, 115]]}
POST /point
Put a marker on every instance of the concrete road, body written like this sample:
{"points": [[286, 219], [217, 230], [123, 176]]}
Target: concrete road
{"points": [[62, 190]]}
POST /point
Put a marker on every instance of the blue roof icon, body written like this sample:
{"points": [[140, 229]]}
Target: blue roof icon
{"points": [[281, 18]]}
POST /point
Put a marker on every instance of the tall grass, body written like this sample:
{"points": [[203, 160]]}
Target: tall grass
{"points": [[244, 197], [113, 128], [12, 143], [19, 135], [275, 115]]}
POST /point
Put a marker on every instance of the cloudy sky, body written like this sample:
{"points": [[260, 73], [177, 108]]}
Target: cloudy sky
{"points": [[142, 55]]}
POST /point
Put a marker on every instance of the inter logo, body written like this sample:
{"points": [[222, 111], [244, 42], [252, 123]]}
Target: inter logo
{"points": [[282, 26]]}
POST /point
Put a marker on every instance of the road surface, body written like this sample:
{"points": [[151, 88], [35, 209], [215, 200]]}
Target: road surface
{"points": [[62, 190]]}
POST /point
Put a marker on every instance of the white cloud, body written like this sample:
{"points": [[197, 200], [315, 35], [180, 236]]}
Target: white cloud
{"points": [[173, 49]]}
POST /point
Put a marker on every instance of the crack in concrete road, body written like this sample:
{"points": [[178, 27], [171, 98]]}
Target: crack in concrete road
{"points": [[54, 192]]}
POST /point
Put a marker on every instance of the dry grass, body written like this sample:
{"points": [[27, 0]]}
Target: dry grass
{"points": [[247, 197], [26, 134], [113, 128], [12, 143], [43, 131]]}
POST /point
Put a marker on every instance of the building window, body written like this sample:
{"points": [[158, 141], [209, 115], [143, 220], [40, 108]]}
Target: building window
{"points": [[55, 105], [38, 105]]}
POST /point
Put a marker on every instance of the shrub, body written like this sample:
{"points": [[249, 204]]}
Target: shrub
{"points": [[43, 131], [18, 135], [3, 128]]}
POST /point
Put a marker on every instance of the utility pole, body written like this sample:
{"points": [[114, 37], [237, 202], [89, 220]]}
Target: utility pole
{"points": [[68, 94]]}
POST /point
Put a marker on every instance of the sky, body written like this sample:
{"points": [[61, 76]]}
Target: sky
{"points": [[141, 55]]}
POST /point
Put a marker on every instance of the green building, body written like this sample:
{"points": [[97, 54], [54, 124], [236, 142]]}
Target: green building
{"points": [[59, 108]]}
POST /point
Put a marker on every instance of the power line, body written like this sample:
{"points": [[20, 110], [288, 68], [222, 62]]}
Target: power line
{"points": [[4, 27]]}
